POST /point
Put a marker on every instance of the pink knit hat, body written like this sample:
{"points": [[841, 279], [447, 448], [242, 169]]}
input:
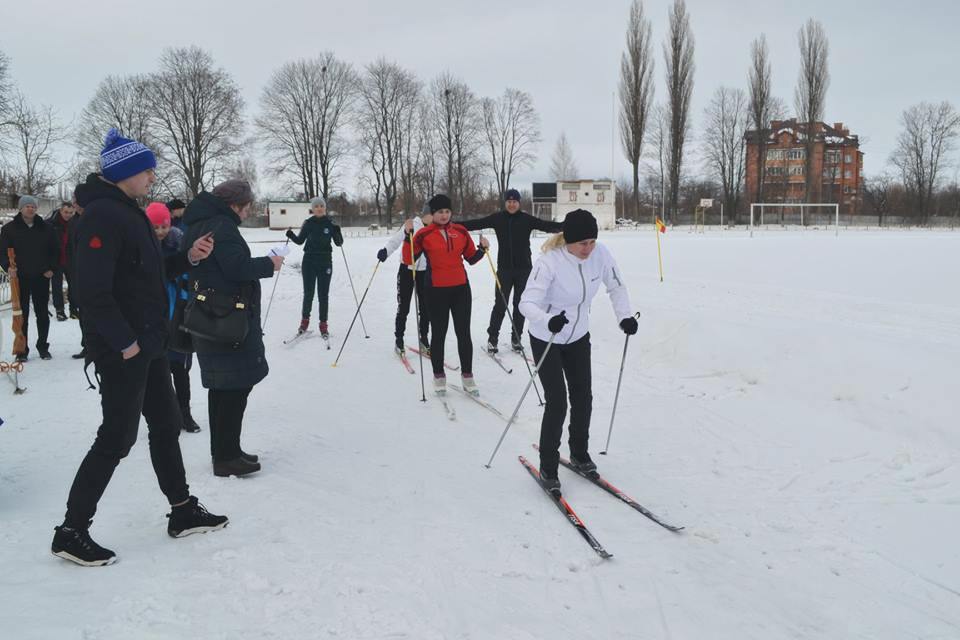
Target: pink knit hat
{"points": [[158, 214]]}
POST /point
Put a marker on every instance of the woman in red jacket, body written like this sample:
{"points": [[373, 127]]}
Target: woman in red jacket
{"points": [[446, 246]]}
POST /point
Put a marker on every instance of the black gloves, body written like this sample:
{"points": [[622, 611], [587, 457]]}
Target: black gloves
{"points": [[291, 234], [555, 325], [629, 326], [382, 255]]}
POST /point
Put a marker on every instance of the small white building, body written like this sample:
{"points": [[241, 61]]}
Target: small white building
{"points": [[554, 200], [287, 214]]}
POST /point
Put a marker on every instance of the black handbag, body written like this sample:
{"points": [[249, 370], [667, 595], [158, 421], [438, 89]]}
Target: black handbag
{"points": [[217, 317]]}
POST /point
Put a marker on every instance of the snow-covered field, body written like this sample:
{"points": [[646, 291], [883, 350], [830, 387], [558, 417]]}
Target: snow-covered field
{"points": [[792, 399]]}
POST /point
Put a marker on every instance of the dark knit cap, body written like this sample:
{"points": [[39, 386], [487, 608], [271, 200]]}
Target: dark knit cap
{"points": [[512, 194], [579, 225], [176, 203], [440, 201]]}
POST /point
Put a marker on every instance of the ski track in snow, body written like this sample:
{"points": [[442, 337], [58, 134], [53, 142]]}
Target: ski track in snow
{"points": [[790, 399]]}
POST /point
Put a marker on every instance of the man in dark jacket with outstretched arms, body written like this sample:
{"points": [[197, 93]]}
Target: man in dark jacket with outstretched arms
{"points": [[513, 228], [120, 276]]}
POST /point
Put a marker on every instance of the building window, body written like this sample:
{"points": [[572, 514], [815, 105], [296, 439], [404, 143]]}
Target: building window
{"points": [[848, 158], [774, 171], [573, 196], [601, 187], [599, 197], [832, 157], [796, 171], [570, 186], [848, 174], [796, 154], [775, 154]]}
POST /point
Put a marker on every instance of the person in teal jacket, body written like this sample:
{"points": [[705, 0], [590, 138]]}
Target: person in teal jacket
{"points": [[320, 234]]}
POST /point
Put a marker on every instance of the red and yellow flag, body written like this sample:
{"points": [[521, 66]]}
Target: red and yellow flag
{"points": [[662, 228]]}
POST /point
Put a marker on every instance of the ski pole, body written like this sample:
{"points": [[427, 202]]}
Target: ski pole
{"points": [[526, 389], [352, 322], [416, 306], [350, 278], [616, 396], [513, 326], [270, 303]]}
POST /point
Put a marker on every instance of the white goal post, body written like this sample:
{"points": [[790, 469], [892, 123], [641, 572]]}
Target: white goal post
{"points": [[791, 205]]}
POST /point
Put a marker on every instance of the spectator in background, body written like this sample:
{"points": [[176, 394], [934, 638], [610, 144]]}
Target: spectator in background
{"points": [[176, 208], [64, 225], [32, 239], [171, 240]]}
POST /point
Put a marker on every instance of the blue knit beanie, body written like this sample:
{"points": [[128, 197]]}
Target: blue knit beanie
{"points": [[122, 157], [512, 194]]}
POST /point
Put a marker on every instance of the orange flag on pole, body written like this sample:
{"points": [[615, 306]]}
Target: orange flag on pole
{"points": [[662, 228]]}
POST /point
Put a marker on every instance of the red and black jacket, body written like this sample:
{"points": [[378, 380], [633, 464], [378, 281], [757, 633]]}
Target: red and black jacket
{"points": [[446, 248]]}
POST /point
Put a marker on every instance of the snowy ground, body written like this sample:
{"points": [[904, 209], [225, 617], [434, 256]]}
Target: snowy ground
{"points": [[791, 399]]}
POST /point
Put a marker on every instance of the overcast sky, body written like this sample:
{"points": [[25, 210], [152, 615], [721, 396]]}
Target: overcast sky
{"points": [[884, 55]]}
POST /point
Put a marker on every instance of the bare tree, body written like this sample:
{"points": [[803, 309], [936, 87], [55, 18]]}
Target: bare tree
{"points": [[760, 105], [562, 165], [412, 150], [678, 54], [923, 149], [657, 152], [303, 112], [35, 132], [428, 175], [197, 111], [636, 91], [117, 104], [724, 143], [878, 192], [6, 89], [512, 129], [388, 94], [810, 95], [457, 123]]}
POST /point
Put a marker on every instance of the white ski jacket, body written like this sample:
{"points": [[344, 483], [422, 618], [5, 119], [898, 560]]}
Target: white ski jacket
{"points": [[562, 282], [396, 240]]}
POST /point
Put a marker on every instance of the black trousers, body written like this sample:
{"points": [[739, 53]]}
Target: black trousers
{"points": [[181, 383], [317, 272], [445, 302], [514, 280], [129, 388], [405, 286], [36, 289], [56, 287], [566, 365], [225, 410]]}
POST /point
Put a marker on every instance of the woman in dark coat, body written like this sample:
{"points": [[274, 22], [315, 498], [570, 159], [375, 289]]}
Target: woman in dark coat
{"points": [[229, 372]]}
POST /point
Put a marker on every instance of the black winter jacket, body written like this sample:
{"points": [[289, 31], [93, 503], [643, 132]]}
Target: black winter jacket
{"points": [[120, 273], [319, 234], [36, 246], [64, 230], [230, 269], [513, 236]]}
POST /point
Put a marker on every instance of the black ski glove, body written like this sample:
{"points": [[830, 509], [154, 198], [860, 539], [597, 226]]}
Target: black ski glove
{"points": [[629, 326], [556, 322], [382, 255], [291, 234]]}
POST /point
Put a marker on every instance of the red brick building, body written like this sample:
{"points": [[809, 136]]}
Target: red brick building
{"points": [[837, 161]]}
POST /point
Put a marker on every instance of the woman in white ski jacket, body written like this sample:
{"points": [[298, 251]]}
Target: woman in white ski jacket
{"points": [[405, 283], [557, 303]]}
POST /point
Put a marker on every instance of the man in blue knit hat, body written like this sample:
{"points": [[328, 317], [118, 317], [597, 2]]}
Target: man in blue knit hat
{"points": [[120, 280]]}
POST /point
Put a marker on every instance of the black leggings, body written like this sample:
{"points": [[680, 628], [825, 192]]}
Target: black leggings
{"points": [[444, 302], [570, 361], [225, 409], [404, 294]]}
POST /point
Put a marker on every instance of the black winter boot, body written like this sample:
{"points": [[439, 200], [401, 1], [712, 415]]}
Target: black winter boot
{"points": [[77, 546], [192, 517]]}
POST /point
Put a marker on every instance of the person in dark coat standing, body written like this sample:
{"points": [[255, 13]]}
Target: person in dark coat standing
{"points": [[228, 371], [176, 207], [319, 233], [32, 239], [120, 286], [171, 240], [513, 228], [63, 222]]}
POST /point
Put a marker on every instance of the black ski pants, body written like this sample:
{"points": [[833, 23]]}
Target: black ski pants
{"points": [[36, 289], [567, 365], [405, 287], [317, 272], [445, 302], [180, 370], [514, 280], [129, 389], [225, 410]]}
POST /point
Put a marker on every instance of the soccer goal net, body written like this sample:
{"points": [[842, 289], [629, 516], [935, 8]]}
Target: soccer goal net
{"points": [[786, 214]]}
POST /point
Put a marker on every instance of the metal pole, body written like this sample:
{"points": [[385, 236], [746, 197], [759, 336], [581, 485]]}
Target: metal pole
{"points": [[616, 396], [526, 390], [270, 303], [350, 278], [352, 322]]}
